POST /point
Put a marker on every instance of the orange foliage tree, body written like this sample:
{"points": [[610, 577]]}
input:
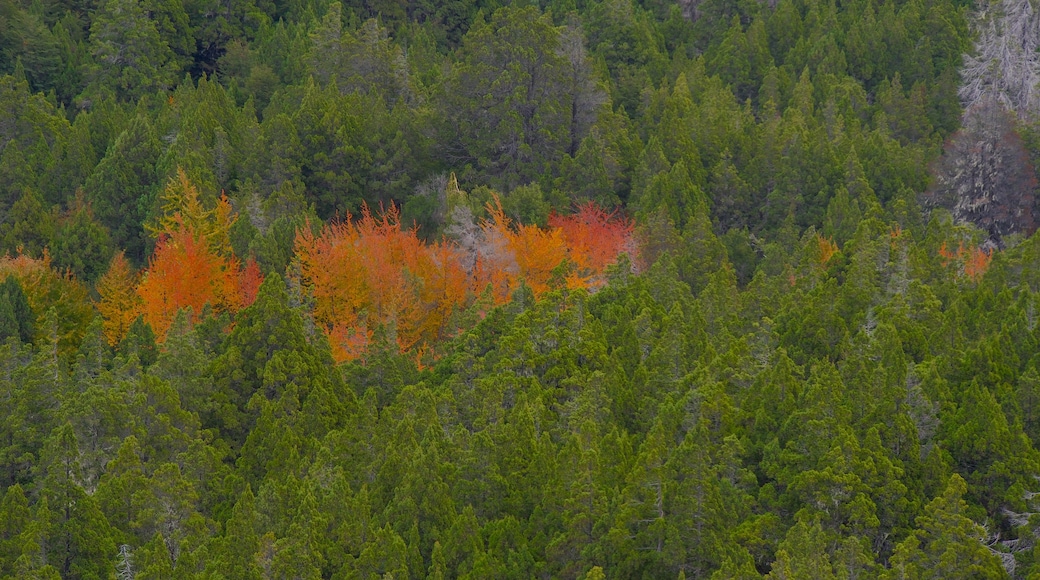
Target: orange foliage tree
{"points": [[184, 273], [193, 264], [972, 263], [949, 256], [249, 280], [977, 263], [827, 249], [371, 272], [510, 254], [584, 243], [595, 238]]}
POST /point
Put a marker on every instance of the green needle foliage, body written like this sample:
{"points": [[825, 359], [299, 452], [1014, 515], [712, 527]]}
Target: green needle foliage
{"points": [[817, 360]]}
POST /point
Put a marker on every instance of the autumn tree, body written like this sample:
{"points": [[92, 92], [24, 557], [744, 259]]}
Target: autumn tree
{"points": [[511, 253], [119, 304], [193, 265], [583, 244], [184, 273], [49, 291], [595, 237], [369, 272]]}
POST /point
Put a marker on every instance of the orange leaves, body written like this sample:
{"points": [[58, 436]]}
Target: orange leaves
{"points": [[538, 253], [973, 263], [119, 304], [445, 287], [510, 254], [595, 238], [30, 272], [361, 274], [827, 249], [370, 272], [184, 273], [333, 266], [588, 240], [948, 256], [977, 263], [249, 280], [192, 267]]}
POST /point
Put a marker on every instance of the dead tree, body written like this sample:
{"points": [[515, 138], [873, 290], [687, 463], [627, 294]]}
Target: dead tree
{"points": [[1006, 64], [985, 176]]}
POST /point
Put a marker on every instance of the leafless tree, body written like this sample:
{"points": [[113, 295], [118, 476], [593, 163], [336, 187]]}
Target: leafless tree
{"points": [[1003, 550], [985, 175], [125, 565], [1006, 64]]}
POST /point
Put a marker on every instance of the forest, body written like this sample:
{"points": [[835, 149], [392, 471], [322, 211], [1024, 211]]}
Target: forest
{"points": [[580, 289]]}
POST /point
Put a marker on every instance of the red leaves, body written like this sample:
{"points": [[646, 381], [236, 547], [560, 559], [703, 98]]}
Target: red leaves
{"points": [[977, 263], [249, 280], [595, 238]]}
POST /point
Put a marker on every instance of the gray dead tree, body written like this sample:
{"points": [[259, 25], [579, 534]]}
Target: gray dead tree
{"points": [[985, 176], [125, 565], [1006, 64]]}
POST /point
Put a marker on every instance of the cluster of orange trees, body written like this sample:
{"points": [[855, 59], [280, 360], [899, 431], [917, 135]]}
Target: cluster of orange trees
{"points": [[362, 273], [184, 273], [370, 272], [191, 268], [359, 275]]}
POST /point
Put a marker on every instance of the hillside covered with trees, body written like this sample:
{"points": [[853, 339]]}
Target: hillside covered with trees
{"points": [[591, 289]]}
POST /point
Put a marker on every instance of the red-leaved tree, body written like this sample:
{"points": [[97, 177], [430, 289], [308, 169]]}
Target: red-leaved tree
{"points": [[595, 238]]}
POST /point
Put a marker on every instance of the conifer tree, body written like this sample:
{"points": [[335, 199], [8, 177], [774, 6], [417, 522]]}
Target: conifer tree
{"points": [[130, 57], [946, 543], [122, 187]]}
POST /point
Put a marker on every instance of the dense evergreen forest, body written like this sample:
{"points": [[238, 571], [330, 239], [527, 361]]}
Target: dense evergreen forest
{"points": [[574, 289]]}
